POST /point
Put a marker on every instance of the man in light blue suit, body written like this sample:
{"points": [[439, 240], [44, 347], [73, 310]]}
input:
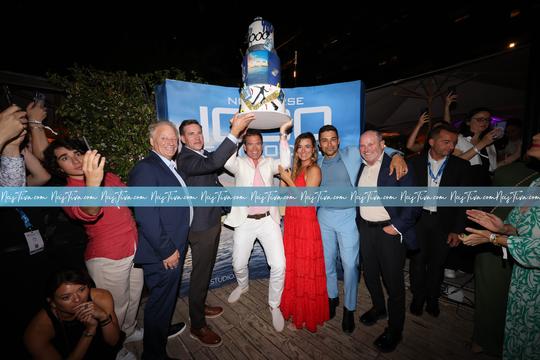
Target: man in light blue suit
{"points": [[338, 225]]}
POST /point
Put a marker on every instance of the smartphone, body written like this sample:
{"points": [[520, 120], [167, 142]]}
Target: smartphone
{"points": [[452, 90], [424, 110], [86, 142], [7, 94], [39, 98], [500, 126]]}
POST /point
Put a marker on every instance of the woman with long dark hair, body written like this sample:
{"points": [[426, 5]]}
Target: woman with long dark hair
{"points": [[305, 298]]}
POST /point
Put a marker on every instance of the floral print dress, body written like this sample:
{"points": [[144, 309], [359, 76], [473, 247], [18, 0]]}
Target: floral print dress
{"points": [[522, 329]]}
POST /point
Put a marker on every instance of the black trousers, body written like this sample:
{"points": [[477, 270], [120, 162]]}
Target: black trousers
{"points": [[204, 247], [384, 255], [427, 263]]}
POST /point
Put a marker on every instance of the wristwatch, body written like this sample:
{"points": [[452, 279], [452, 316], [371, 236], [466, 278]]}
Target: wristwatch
{"points": [[493, 238]]}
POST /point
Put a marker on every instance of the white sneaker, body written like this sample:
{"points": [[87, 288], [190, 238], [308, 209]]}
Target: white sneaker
{"points": [[236, 293], [136, 335], [449, 273], [125, 354], [277, 319]]}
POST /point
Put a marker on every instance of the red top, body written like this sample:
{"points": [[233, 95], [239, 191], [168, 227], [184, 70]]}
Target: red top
{"points": [[112, 233]]}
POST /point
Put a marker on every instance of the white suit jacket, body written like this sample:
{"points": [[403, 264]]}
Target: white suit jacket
{"points": [[244, 172]]}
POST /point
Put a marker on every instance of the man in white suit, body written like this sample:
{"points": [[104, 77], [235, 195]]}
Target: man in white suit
{"points": [[256, 222]]}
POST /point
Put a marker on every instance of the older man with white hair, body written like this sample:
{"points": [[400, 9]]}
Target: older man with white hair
{"points": [[163, 236]]}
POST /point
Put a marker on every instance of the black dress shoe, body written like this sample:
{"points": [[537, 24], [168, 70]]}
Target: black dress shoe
{"points": [[372, 316], [348, 321], [432, 307], [175, 330], [417, 306], [333, 303], [388, 341]]}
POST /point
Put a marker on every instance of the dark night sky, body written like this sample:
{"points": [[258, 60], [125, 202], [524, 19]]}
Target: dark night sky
{"points": [[377, 43]]}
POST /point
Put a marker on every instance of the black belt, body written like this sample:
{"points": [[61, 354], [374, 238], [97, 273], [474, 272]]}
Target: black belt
{"points": [[378, 224], [259, 216], [429, 212]]}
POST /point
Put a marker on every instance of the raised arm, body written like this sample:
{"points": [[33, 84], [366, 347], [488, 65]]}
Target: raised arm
{"points": [[411, 140], [478, 145], [12, 123], [450, 99], [93, 168], [284, 149], [12, 170], [37, 174], [36, 113]]}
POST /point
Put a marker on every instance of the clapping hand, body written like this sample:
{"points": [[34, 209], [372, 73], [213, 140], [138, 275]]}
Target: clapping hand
{"points": [[476, 237], [487, 220]]}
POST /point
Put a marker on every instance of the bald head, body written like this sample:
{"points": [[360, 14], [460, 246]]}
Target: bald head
{"points": [[371, 146]]}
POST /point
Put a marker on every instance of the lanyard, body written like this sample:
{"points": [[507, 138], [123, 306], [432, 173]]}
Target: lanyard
{"points": [[439, 173], [24, 218]]}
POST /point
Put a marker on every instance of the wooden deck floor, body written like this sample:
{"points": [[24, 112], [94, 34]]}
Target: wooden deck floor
{"points": [[247, 332]]}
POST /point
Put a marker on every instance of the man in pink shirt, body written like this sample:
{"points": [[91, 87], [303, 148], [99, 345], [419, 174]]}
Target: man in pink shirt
{"points": [[256, 222]]}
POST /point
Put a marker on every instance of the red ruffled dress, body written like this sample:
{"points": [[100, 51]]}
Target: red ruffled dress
{"points": [[305, 298]]}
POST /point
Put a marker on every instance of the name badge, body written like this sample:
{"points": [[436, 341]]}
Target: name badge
{"points": [[35, 241]]}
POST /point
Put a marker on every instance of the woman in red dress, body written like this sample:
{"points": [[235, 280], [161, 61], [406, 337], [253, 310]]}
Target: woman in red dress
{"points": [[305, 299]]}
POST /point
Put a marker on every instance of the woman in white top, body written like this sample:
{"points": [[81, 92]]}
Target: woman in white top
{"points": [[475, 144]]}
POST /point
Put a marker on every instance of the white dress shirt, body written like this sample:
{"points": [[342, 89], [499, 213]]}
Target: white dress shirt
{"points": [[171, 164]]}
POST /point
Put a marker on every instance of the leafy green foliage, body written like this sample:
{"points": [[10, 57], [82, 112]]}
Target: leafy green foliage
{"points": [[112, 110]]}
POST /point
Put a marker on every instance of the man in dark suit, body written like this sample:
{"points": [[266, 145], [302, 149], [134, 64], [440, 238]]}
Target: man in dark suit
{"points": [[385, 232], [163, 235], [202, 169], [438, 227]]}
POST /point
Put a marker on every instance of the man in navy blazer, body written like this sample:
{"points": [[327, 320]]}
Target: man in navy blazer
{"points": [[386, 232], [163, 233]]}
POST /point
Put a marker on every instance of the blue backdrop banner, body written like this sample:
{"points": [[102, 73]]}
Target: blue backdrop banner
{"points": [[341, 105]]}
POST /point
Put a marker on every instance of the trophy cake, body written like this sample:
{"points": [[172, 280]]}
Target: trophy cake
{"points": [[261, 76]]}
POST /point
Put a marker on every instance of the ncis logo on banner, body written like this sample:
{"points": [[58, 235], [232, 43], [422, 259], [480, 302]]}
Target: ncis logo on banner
{"points": [[341, 105]]}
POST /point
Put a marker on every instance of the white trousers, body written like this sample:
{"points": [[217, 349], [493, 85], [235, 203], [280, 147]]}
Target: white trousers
{"points": [[268, 232], [125, 282]]}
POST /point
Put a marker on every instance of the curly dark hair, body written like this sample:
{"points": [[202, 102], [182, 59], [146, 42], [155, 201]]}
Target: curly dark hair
{"points": [[49, 158]]}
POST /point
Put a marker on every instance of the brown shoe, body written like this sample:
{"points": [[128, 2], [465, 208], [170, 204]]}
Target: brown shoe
{"points": [[206, 337], [211, 312]]}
